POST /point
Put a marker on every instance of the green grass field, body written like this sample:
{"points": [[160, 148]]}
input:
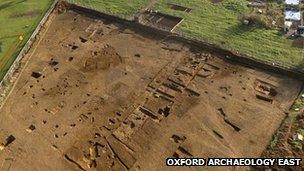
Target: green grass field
{"points": [[219, 24], [216, 23], [17, 18], [122, 8]]}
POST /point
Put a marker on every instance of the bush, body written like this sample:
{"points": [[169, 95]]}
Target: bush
{"points": [[256, 20]]}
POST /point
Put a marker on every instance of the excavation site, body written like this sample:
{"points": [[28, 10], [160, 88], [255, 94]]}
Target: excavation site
{"points": [[96, 94]]}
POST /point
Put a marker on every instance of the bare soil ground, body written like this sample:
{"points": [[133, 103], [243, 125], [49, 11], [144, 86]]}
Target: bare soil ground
{"points": [[97, 95]]}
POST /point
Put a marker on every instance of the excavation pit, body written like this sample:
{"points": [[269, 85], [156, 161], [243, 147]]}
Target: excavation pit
{"points": [[31, 128], [36, 74], [160, 20], [179, 8]]}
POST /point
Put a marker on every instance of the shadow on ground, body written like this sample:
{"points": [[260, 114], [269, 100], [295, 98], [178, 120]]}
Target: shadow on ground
{"points": [[10, 3]]}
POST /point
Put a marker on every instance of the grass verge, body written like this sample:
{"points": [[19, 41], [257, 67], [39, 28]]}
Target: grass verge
{"points": [[19, 19], [122, 8]]}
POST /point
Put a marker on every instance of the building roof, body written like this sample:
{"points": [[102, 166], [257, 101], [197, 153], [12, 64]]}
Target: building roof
{"points": [[293, 15], [292, 2]]}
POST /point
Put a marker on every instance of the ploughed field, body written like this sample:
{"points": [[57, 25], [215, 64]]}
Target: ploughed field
{"points": [[100, 95]]}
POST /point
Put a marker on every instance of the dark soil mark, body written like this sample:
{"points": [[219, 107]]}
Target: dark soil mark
{"points": [[26, 14], [165, 111], [237, 129], [192, 92], [173, 86], [74, 47], [264, 98], [31, 128], [72, 161], [53, 62], [83, 40], [148, 113], [184, 151], [175, 155], [178, 139], [218, 134], [222, 112], [179, 8], [36, 74], [10, 139]]}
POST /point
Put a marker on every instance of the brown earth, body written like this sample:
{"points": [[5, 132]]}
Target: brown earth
{"points": [[98, 95]]}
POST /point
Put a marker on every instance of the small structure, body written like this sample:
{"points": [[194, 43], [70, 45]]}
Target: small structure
{"points": [[292, 15], [297, 137], [292, 2]]}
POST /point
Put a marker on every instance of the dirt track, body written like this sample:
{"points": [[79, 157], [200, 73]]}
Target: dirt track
{"points": [[101, 95]]}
